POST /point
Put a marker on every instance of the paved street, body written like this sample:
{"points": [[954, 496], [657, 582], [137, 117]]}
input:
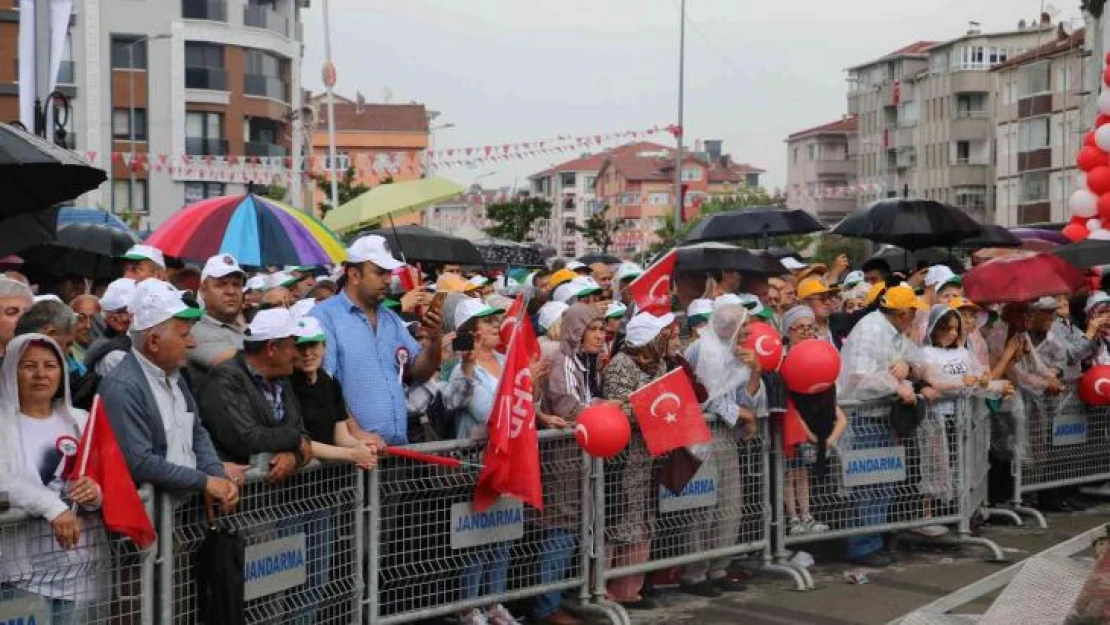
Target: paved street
{"points": [[918, 578]]}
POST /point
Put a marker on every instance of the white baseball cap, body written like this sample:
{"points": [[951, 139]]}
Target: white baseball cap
{"points": [[1045, 303], [302, 307], [644, 327], [146, 252], [49, 297], [575, 265], [615, 309], [565, 292], [853, 278], [220, 266], [118, 295], [1096, 299], [309, 330], [478, 280], [255, 283], [938, 274], [270, 325], [549, 313], [473, 308], [373, 248], [792, 264], [155, 301], [279, 279], [628, 270], [700, 306]]}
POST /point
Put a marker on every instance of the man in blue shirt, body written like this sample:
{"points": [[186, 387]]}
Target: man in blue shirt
{"points": [[369, 349]]}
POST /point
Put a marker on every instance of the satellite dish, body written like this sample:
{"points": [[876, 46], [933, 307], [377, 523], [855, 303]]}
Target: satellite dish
{"points": [[387, 94]]}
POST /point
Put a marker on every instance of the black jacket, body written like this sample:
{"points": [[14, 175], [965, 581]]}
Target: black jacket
{"points": [[240, 419], [103, 346]]}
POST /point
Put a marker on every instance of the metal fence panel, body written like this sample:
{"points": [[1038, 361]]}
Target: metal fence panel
{"points": [[302, 553], [1068, 442]]}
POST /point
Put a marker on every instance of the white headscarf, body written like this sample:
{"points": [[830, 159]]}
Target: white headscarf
{"points": [[718, 368]]}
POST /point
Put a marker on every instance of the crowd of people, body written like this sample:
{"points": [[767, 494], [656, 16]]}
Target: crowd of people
{"points": [[204, 373]]}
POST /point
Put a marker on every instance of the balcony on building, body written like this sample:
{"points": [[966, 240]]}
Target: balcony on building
{"points": [[266, 87], [211, 78], [211, 10], [262, 136], [265, 75], [264, 148], [263, 15], [199, 146]]}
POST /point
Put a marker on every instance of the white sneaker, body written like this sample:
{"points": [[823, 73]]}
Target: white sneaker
{"points": [[500, 615], [474, 617], [797, 528], [814, 526]]}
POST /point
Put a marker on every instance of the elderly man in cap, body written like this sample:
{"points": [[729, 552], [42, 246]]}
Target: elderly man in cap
{"points": [[109, 350], [603, 275], [249, 404], [151, 408], [15, 299], [219, 333], [369, 349], [813, 292], [142, 262], [87, 308]]}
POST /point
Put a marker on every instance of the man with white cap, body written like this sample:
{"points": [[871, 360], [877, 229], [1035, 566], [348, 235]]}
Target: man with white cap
{"points": [[219, 333], [578, 267], [369, 349], [15, 299], [248, 403], [107, 351], [142, 262], [151, 408]]}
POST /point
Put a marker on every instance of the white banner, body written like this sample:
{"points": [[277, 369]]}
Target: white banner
{"points": [[1069, 429], [863, 467], [274, 566], [503, 521], [699, 492]]}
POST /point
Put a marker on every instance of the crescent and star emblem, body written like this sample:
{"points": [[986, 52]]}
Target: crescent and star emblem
{"points": [[669, 417], [665, 281], [1098, 387], [759, 349]]}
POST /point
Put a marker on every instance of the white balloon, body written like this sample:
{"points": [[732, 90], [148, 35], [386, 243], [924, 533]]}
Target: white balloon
{"points": [[1104, 102], [1100, 235], [1102, 137], [1094, 224], [1083, 203]]}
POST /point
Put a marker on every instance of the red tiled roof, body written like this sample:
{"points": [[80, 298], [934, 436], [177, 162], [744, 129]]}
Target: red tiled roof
{"points": [[374, 117], [1062, 43], [916, 48], [843, 125], [593, 162]]}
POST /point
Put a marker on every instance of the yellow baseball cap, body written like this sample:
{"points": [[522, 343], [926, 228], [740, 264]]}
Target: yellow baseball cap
{"points": [[561, 276], [901, 297], [812, 286], [960, 302], [873, 293], [816, 269]]}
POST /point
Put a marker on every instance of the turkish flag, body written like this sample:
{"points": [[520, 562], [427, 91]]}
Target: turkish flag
{"points": [[652, 290], [512, 460], [669, 414], [99, 457], [509, 322]]}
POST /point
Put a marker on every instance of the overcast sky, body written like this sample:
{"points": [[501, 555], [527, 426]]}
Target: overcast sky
{"points": [[505, 71]]}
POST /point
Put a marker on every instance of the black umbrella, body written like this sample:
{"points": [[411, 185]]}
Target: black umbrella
{"points": [[753, 223], [909, 224], [503, 252], [424, 244], [712, 255], [991, 236], [218, 572], [85, 250], [906, 262], [35, 174], [1086, 253], [27, 230], [598, 257]]}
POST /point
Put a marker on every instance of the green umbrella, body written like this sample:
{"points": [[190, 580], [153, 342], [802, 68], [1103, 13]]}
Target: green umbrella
{"points": [[388, 201]]}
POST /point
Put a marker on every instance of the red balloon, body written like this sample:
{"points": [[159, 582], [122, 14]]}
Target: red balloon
{"points": [[1106, 77], [1075, 232], [1098, 180], [1104, 208], [1103, 118], [1094, 386], [766, 341], [603, 430], [810, 367], [1090, 157], [1089, 139]]}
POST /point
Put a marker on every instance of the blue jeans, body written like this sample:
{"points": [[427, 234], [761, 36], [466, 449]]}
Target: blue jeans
{"points": [[872, 502], [487, 559], [556, 557]]}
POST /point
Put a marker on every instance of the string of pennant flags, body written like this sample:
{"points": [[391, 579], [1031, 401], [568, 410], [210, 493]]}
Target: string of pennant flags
{"points": [[371, 167]]}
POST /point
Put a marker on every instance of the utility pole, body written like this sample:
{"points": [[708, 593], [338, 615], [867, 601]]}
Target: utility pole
{"points": [[329, 82], [678, 199]]}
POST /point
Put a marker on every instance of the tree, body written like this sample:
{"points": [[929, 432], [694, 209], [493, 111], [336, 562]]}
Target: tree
{"points": [[347, 189], [829, 246], [513, 220], [274, 192], [598, 230], [744, 196]]}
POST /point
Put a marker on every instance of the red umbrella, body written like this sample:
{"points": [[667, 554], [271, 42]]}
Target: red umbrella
{"points": [[1020, 278]]}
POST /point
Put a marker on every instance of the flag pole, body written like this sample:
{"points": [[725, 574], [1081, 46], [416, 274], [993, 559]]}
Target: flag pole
{"points": [[87, 436]]}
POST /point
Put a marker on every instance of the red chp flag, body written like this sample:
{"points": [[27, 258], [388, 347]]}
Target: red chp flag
{"points": [[510, 321], [512, 460], [99, 457], [669, 414], [652, 290]]}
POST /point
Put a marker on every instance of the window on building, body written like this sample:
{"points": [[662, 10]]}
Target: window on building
{"points": [[121, 124], [659, 198], [342, 162], [263, 75], [590, 182], [630, 199], [1034, 187], [127, 198], [1034, 79], [127, 56], [1034, 134], [971, 198], [197, 191], [963, 152], [795, 155], [204, 133], [568, 179], [204, 66], [997, 55], [691, 174], [938, 63], [812, 152]]}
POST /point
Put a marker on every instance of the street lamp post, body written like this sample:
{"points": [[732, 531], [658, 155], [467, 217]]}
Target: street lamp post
{"points": [[432, 132], [131, 109], [678, 131]]}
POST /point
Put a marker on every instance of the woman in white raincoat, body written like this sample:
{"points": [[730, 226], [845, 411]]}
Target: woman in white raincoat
{"points": [[731, 376], [45, 560]]}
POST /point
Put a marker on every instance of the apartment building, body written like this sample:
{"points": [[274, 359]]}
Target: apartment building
{"points": [[1040, 122], [821, 169], [569, 186], [926, 124], [215, 81]]}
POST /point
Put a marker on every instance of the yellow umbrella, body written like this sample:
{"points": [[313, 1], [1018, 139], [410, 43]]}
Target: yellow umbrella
{"points": [[390, 200]]}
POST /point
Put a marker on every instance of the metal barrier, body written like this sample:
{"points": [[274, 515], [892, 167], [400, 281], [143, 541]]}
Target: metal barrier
{"points": [[303, 550], [432, 554], [105, 579]]}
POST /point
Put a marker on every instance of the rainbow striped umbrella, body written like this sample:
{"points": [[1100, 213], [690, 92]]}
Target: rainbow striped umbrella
{"points": [[255, 230]]}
